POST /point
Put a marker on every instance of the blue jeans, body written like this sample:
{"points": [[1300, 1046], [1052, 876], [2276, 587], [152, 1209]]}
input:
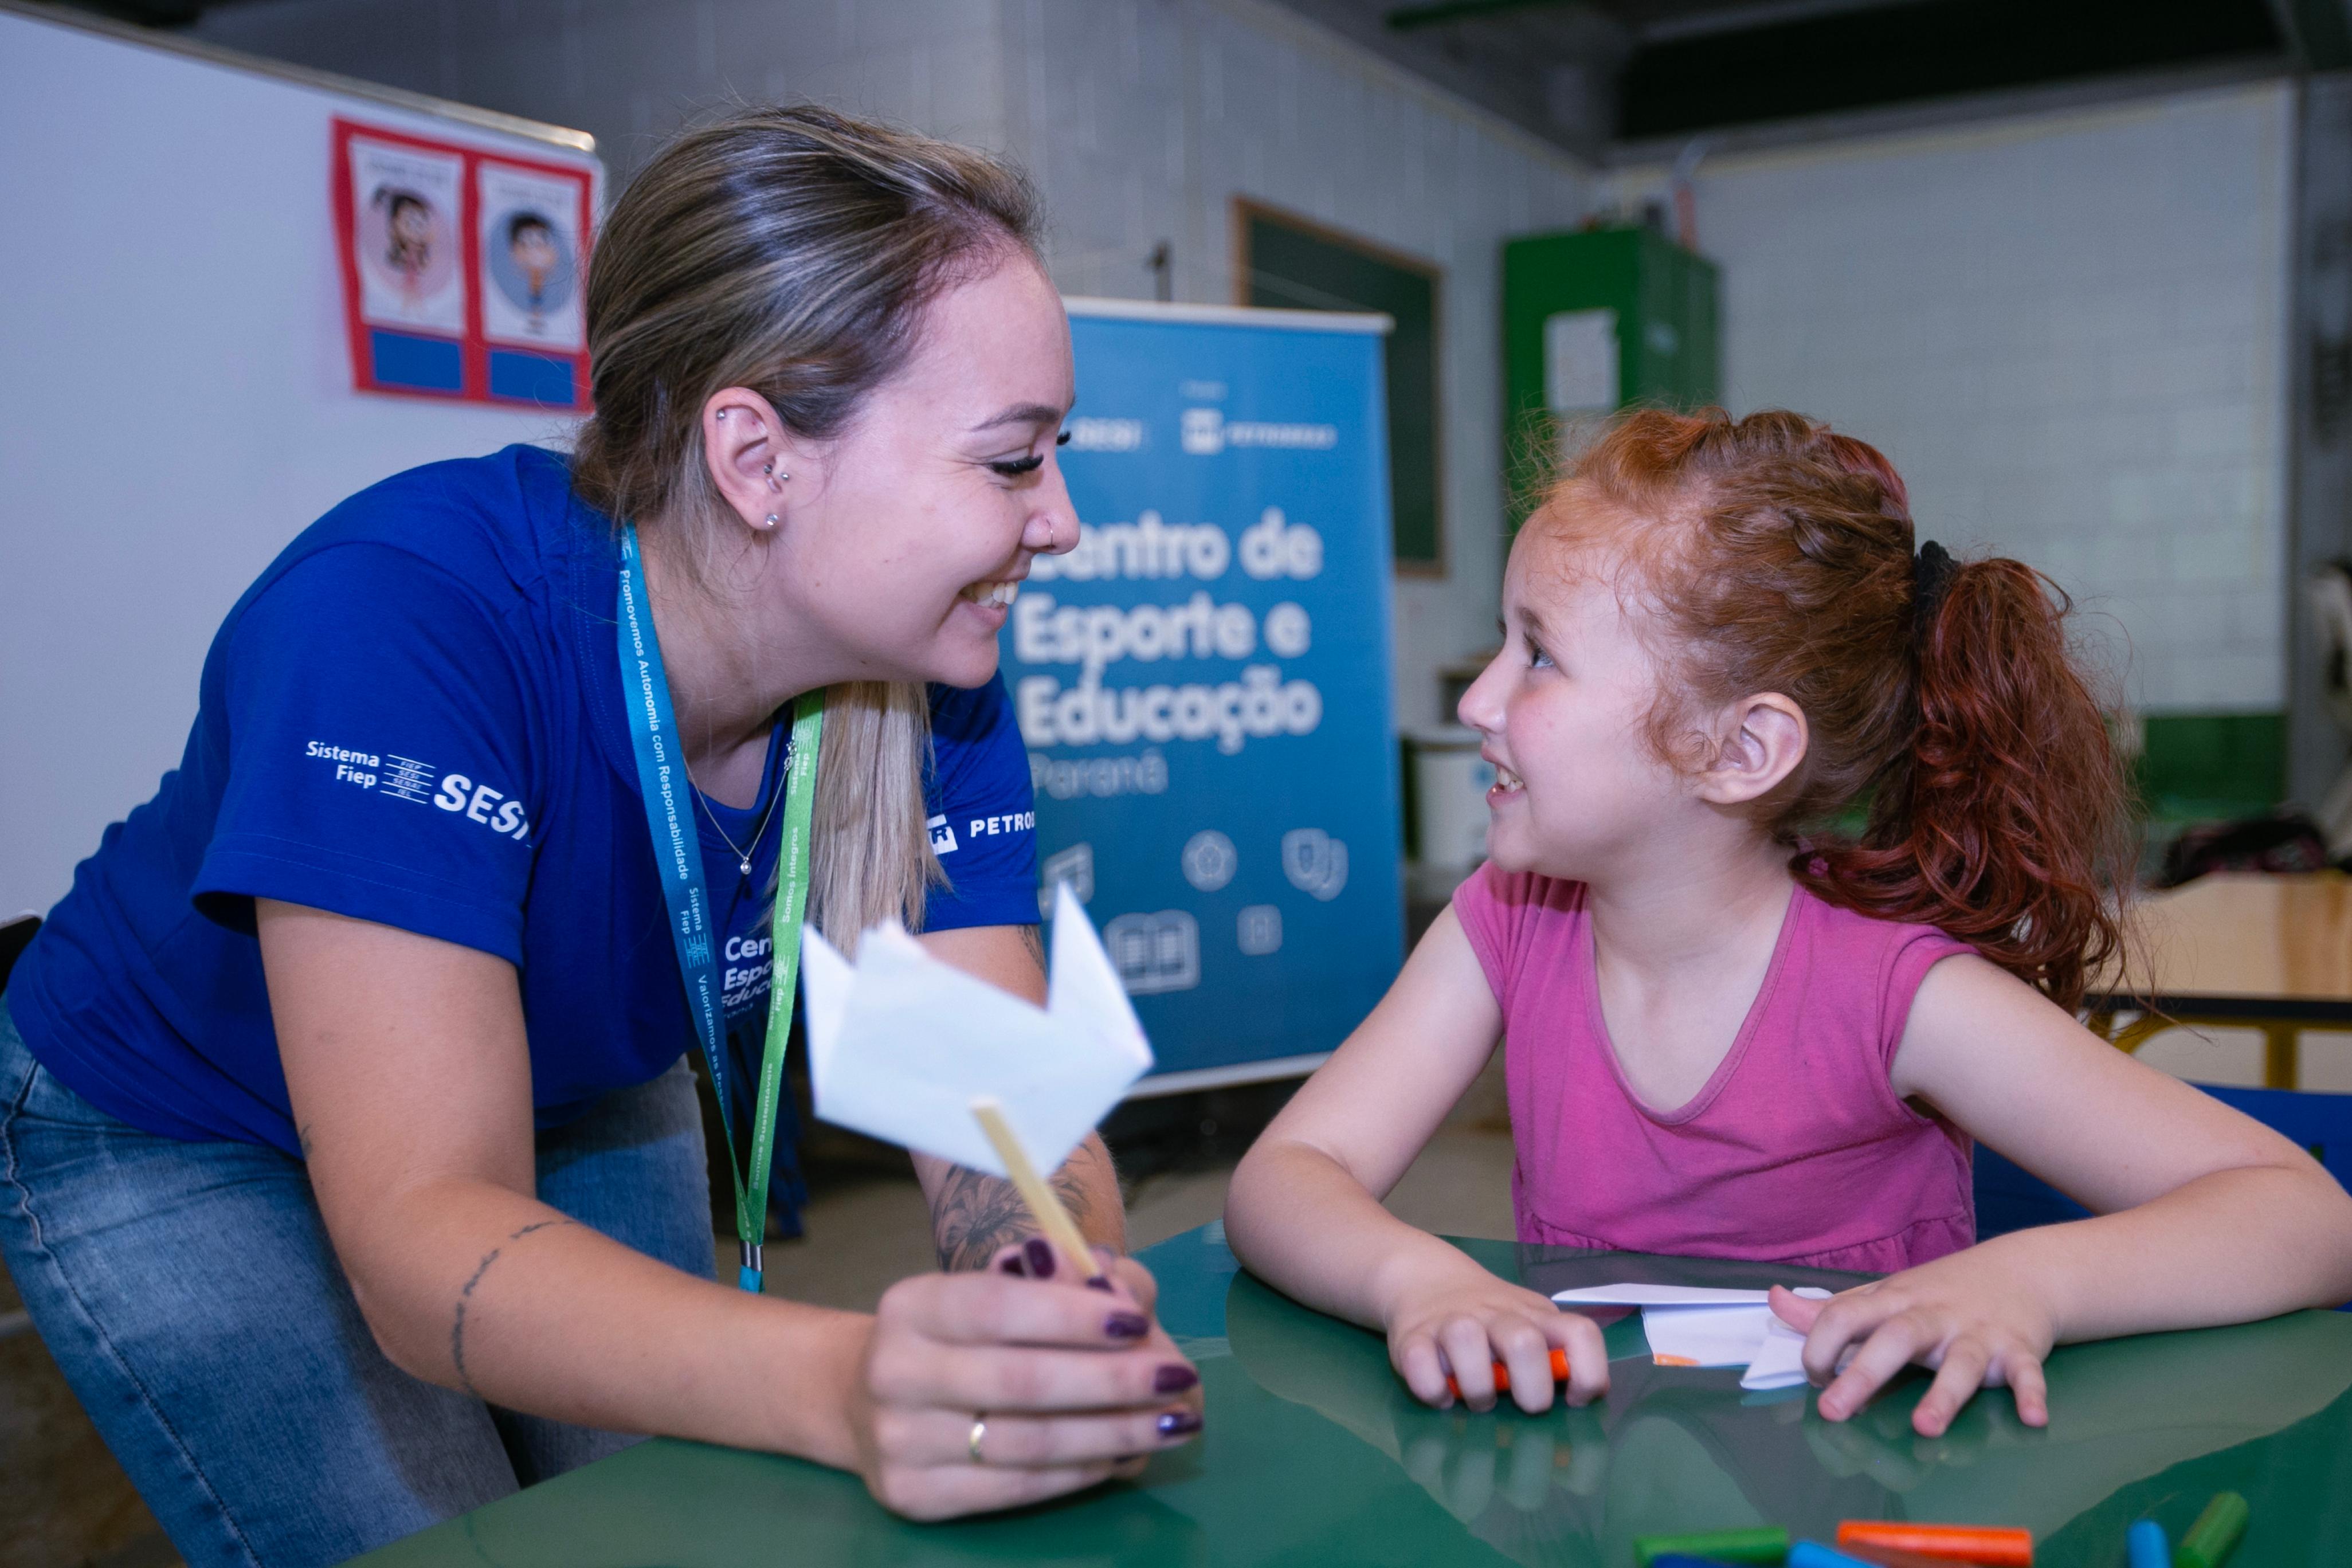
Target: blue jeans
{"points": [[191, 1295]]}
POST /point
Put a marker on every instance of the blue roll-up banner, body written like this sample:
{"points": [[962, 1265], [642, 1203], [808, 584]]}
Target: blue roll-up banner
{"points": [[1203, 683]]}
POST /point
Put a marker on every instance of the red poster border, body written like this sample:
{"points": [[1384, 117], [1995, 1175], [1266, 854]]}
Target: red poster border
{"points": [[474, 347]]}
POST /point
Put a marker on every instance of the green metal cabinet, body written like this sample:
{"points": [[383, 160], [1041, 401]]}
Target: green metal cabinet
{"points": [[1598, 320]]}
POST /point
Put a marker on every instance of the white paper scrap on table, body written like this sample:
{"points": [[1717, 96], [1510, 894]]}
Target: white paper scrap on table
{"points": [[900, 1044], [1659, 1296], [1779, 1360], [1699, 1326]]}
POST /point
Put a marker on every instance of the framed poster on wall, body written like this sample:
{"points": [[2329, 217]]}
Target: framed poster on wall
{"points": [[462, 270]]}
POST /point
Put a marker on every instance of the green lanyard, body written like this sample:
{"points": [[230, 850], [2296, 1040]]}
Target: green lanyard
{"points": [[660, 773], [783, 974]]}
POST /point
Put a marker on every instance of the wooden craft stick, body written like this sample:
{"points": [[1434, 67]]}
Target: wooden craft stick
{"points": [[1059, 1227]]}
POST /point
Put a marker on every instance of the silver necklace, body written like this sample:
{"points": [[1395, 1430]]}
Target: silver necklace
{"points": [[743, 855]]}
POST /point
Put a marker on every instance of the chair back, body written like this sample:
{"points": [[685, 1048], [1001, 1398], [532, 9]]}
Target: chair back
{"points": [[15, 937], [2011, 1198]]}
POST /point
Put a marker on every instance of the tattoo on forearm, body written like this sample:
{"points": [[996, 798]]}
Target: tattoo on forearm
{"points": [[465, 1297], [977, 1213]]}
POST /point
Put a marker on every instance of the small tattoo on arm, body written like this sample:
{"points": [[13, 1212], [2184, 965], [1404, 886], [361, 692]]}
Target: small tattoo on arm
{"points": [[1034, 939], [458, 1325], [465, 1297]]}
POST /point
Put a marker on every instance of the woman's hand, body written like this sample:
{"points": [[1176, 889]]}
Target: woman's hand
{"points": [[1465, 1320], [1074, 1385], [1978, 1323]]}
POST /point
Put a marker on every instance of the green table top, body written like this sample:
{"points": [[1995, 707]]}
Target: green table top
{"points": [[1314, 1453]]}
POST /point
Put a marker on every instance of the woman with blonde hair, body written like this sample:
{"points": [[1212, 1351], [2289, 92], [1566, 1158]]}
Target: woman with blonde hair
{"points": [[350, 1165]]}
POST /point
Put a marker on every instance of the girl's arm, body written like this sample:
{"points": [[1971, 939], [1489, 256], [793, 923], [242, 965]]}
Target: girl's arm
{"points": [[2203, 1215], [1304, 1211], [410, 1078]]}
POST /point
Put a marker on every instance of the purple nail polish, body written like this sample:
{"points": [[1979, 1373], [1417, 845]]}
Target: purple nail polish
{"points": [[1039, 1254], [1127, 1325], [1173, 1378], [1011, 1265], [1099, 1282], [1179, 1424]]}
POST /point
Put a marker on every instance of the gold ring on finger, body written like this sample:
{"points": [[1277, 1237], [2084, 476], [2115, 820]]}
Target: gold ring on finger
{"points": [[979, 1432]]}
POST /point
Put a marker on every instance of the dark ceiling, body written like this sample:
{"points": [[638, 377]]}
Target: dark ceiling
{"points": [[1615, 77], [1607, 77]]}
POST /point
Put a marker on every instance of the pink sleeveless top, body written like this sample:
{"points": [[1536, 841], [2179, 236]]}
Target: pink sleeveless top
{"points": [[1796, 1151]]}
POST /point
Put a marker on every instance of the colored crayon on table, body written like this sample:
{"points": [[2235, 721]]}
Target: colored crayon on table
{"points": [[1813, 1554], [1895, 1557], [1989, 1546], [1765, 1543], [2146, 1547], [2209, 1542], [1503, 1375]]}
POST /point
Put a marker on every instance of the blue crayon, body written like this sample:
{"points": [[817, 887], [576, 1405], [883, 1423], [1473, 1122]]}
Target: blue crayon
{"points": [[1813, 1554], [2145, 1546]]}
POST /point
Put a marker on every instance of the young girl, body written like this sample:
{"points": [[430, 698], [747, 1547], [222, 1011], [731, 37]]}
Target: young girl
{"points": [[1725, 1041]]}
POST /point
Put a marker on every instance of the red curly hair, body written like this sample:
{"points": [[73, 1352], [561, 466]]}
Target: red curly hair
{"points": [[1777, 555]]}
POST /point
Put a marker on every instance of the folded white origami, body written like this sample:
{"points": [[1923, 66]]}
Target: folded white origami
{"points": [[1695, 1325], [900, 1044]]}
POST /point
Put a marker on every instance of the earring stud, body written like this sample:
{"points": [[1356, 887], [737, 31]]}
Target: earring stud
{"points": [[771, 522]]}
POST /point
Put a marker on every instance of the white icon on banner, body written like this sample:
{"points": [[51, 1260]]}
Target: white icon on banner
{"points": [[1075, 866], [1203, 432], [1316, 863], [1155, 953], [1259, 931], [1210, 860]]}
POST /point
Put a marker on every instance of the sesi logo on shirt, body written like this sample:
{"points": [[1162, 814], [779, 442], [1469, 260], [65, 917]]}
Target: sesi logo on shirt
{"points": [[459, 793]]}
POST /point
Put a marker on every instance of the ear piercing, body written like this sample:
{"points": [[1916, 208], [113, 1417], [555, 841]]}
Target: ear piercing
{"points": [[771, 521]]}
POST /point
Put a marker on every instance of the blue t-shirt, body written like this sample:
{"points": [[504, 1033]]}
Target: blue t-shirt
{"points": [[415, 718]]}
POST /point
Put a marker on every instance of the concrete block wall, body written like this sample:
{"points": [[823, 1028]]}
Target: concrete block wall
{"points": [[1142, 121], [2067, 332], [631, 72]]}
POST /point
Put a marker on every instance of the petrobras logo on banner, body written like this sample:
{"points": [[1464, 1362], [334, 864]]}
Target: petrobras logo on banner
{"points": [[1205, 432]]}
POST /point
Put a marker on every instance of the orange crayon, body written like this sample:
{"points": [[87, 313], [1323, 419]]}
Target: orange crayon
{"points": [[1990, 1546], [1503, 1375]]}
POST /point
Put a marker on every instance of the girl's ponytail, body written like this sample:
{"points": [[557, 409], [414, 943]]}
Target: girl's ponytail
{"points": [[2004, 821], [1779, 555]]}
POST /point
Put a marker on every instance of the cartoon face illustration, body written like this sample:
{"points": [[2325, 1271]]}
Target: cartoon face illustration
{"points": [[530, 241], [408, 219]]}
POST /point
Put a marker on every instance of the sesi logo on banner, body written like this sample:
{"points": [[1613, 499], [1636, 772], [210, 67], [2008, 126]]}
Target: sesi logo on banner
{"points": [[1203, 683]]}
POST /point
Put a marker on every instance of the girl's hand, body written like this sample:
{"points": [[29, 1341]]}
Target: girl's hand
{"points": [[1464, 1321], [1075, 1385], [1978, 1324]]}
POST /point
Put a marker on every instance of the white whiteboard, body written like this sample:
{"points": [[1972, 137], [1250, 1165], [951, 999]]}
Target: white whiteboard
{"points": [[175, 392]]}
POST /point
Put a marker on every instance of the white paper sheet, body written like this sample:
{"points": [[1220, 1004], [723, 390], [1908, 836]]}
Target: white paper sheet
{"points": [[900, 1045], [1704, 1336], [1705, 1327], [1658, 1296]]}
